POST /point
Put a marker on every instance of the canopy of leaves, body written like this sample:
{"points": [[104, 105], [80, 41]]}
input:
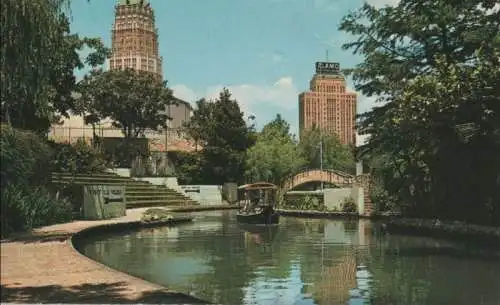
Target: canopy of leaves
{"points": [[436, 65], [275, 154], [38, 59], [336, 156], [133, 100], [218, 126]]}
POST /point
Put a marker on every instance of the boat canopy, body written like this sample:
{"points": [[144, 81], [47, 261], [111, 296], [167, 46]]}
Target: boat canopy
{"points": [[258, 186]]}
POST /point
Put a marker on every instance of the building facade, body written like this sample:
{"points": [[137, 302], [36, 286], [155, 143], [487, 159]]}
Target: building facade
{"points": [[135, 38], [328, 105], [179, 113]]}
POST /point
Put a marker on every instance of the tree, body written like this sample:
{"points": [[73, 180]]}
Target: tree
{"points": [[38, 59], [275, 154], [218, 126], [133, 100], [435, 64], [335, 155], [196, 127]]}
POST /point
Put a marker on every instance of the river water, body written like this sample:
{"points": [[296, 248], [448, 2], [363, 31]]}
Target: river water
{"points": [[302, 262]]}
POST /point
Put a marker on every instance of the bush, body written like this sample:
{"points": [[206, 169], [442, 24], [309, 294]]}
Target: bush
{"points": [[79, 158], [25, 157], [349, 205], [25, 208], [122, 152]]}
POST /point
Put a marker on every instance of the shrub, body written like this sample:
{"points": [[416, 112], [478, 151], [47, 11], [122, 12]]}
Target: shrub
{"points": [[25, 208], [349, 205], [25, 157], [78, 158]]}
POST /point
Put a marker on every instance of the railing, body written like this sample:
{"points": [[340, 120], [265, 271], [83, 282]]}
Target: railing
{"points": [[305, 170], [175, 139]]}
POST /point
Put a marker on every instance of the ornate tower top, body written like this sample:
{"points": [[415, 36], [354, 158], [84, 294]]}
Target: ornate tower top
{"points": [[135, 38], [134, 2]]}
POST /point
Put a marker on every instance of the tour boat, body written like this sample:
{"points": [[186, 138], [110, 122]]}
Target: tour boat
{"points": [[259, 202]]}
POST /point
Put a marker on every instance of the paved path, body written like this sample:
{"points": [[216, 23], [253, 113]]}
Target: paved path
{"points": [[43, 267]]}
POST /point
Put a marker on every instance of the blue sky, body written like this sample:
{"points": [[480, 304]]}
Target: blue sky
{"points": [[262, 50]]}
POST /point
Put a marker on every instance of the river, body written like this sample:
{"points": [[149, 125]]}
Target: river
{"points": [[302, 262]]}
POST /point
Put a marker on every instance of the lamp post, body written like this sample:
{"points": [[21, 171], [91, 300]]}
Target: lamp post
{"points": [[321, 158]]}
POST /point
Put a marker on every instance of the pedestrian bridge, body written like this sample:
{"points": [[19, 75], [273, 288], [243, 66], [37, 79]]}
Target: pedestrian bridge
{"points": [[337, 178]]}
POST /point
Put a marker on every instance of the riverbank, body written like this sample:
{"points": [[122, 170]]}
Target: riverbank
{"points": [[445, 229], [43, 267], [397, 224], [318, 214]]}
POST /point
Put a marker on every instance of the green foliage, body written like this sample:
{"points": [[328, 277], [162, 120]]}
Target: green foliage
{"points": [[133, 100], [78, 158], [187, 166], [336, 156], [24, 208], [121, 152], [275, 154], [304, 203], [38, 58], [349, 205], [25, 157], [436, 66], [218, 126]]}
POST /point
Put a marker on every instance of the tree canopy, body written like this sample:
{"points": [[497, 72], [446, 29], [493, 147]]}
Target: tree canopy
{"points": [[133, 100], [218, 126], [275, 154], [336, 155], [435, 64], [38, 59]]}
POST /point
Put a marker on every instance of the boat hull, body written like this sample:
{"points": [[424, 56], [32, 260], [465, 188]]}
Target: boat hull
{"points": [[258, 218]]}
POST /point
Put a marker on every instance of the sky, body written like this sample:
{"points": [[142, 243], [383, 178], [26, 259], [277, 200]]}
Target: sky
{"points": [[263, 51]]}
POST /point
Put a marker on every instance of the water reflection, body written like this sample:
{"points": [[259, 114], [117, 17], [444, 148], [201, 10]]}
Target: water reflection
{"points": [[303, 262]]}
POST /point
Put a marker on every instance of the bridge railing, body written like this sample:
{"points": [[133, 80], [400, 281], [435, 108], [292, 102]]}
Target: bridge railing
{"points": [[307, 169]]}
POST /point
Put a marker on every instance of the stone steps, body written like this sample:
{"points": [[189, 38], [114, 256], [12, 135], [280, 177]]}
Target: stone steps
{"points": [[137, 193]]}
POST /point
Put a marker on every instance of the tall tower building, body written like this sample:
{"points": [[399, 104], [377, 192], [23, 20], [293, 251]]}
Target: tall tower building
{"points": [[135, 38], [327, 104]]}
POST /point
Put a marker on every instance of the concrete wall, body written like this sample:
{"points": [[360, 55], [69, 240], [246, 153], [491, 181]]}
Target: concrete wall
{"points": [[180, 114], [204, 194], [103, 201], [333, 197], [123, 172]]}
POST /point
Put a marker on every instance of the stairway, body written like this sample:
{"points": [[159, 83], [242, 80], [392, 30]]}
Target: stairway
{"points": [[138, 194], [368, 201]]}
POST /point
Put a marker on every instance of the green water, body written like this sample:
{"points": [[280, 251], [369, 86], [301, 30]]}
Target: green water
{"points": [[304, 262]]}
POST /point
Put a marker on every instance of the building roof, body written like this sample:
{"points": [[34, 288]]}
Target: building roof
{"points": [[133, 2], [187, 104]]}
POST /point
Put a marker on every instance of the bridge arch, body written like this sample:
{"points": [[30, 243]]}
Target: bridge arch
{"points": [[316, 175], [329, 176]]}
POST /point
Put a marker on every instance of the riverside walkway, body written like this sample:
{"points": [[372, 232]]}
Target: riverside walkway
{"points": [[43, 267]]}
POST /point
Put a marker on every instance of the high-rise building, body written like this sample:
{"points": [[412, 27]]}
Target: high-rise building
{"points": [[135, 38], [328, 105]]}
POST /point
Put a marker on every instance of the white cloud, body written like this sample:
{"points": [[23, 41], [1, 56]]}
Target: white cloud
{"points": [[185, 93], [252, 98]]}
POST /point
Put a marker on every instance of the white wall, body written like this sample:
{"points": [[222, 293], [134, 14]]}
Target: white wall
{"points": [[204, 194], [333, 197]]}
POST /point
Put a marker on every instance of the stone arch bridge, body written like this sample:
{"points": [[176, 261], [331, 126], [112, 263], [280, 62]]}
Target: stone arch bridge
{"points": [[337, 178]]}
